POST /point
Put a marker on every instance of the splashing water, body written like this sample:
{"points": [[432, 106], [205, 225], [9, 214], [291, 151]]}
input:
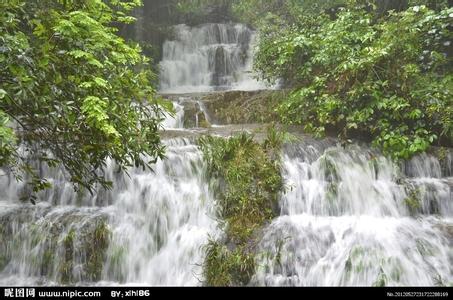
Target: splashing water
{"points": [[209, 57], [177, 120], [346, 220], [148, 230]]}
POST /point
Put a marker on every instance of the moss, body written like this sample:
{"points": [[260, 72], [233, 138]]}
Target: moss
{"points": [[278, 255], [238, 107], [66, 267], [424, 248], [361, 260], [93, 242], [204, 124], [3, 262], [355, 262], [332, 192], [443, 154], [248, 184], [96, 254], [396, 268], [36, 234], [69, 239], [381, 280], [413, 201], [47, 259], [329, 168], [65, 271], [115, 263]]}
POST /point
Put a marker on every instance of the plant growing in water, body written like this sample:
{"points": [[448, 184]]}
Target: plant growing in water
{"points": [[249, 182]]}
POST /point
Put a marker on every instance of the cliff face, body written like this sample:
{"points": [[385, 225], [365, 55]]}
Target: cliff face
{"points": [[152, 27]]}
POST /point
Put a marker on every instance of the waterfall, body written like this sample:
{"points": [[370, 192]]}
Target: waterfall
{"points": [[208, 57], [177, 120], [348, 215], [148, 230], [345, 220]]}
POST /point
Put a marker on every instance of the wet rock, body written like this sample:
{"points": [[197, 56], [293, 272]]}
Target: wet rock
{"points": [[191, 110], [448, 230], [243, 107], [62, 244]]}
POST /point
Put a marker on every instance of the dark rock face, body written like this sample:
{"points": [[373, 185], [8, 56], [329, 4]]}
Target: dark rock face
{"points": [[386, 5], [152, 26], [220, 66]]}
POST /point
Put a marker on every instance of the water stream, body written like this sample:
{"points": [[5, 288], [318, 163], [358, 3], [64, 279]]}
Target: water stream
{"points": [[150, 227], [348, 216], [209, 57], [345, 221]]}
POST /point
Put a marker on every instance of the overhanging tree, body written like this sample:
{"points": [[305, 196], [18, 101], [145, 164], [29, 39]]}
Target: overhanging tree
{"points": [[75, 92]]}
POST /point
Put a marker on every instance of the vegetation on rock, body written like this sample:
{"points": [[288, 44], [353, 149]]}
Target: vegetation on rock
{"points": [[249, 183], [237, 107]]}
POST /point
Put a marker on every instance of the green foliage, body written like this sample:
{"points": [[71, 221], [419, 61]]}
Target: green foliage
{"points": [[432, 4], [383, 78], [193, 6], [252, 179], [280, 12], [65, 268], [275, 139], [7, 140], [195, 12], [95, 243], [99, 239], [249, 183], [77, 93], [413, 201], [381, 281], [224, 267]]}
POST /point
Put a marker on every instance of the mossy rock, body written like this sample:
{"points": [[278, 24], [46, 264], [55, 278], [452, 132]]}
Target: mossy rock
{"points": [[116, 259], [96, 254], [251, 182], [381, 281], [240, 107], [445, 157], [413, 200], [329, 168]]}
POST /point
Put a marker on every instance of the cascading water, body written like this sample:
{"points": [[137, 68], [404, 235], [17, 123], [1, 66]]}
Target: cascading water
{"points": [[348, 217], [208, 57], [148, 230], [346, 220], [175, 121]]}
